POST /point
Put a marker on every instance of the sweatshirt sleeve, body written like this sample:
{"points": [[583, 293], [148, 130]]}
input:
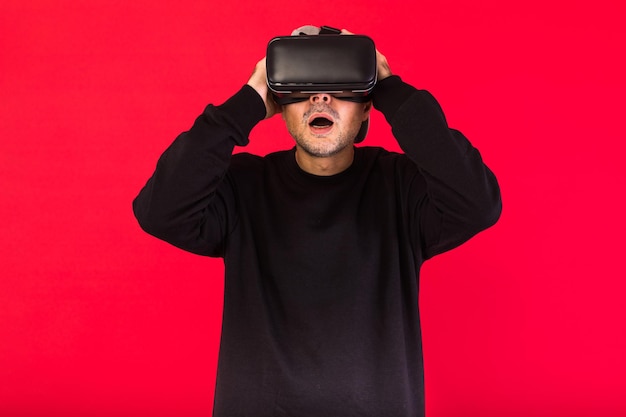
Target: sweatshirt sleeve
{"points": [[187, 201], [463, 196]]}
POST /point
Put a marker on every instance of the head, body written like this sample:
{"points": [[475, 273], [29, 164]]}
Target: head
{"points": [[324, 125]]}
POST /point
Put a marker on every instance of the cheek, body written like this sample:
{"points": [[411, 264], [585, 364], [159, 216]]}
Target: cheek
{"points": [[354, 113], [293, 123], [355, 117], [290, 121], [291, 116]]}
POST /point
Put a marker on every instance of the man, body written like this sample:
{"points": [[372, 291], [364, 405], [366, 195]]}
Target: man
{"points": [[322, 243]]}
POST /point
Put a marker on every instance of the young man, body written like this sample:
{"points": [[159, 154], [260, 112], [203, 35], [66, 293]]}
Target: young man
{"points": [[322, 243]]}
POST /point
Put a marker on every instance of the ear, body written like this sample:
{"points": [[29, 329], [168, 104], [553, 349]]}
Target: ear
{"points": [[367, 108]]}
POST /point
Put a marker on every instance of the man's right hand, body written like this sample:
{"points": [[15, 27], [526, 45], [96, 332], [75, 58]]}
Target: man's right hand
{"points": [[258, 81]]}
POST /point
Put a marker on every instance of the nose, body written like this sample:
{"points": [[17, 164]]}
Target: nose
{"points": [[320, 97]]}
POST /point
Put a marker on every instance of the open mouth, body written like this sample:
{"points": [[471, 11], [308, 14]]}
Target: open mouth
{"points": [[320, 122]]}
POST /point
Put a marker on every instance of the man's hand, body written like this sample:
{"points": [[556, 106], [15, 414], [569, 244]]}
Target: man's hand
{"points": [[383, 67], [258, 81], [381, 62]]}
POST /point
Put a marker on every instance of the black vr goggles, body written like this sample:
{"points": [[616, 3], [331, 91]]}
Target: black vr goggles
{"points": [[321, 61]]}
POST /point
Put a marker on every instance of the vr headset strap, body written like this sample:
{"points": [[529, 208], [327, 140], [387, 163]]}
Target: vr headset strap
{"points": [[327, 30]]}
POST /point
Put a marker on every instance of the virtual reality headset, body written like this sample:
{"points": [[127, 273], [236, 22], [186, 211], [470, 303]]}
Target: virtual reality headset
{"points": [[328, 62]]}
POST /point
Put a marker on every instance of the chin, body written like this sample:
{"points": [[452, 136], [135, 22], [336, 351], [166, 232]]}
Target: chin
{"points": [[321, 150]]}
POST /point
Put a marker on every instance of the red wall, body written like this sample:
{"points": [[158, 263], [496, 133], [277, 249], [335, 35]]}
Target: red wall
{"points": [[99, 319]]}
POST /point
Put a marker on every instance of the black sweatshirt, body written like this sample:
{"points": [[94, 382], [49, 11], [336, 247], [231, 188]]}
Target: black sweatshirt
{"points": [[321, 288]]}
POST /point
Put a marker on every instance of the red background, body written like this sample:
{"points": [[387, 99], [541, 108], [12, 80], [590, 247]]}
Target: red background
{"points": [[99, 319]]}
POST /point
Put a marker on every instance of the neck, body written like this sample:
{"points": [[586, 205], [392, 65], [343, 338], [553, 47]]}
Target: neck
{"points": [[325, 166]]}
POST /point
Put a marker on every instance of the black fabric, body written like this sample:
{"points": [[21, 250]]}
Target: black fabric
{"points": [[321, 310]]}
